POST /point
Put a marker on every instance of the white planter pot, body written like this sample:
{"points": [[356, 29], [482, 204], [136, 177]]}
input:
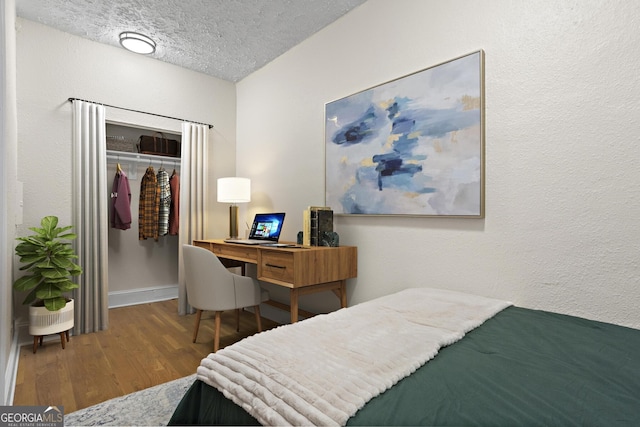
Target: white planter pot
{"points": [[44, 322]]}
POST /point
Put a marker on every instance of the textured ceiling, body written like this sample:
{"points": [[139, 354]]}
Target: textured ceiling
{"points": [[228, 39]]}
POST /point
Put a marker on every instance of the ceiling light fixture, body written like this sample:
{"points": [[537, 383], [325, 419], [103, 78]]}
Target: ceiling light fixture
{"points": [[138, 43]]}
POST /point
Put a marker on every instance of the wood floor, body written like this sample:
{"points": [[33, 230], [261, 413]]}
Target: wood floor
{"points": [[145, 345]]}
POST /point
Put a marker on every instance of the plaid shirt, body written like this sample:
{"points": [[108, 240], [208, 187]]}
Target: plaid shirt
{"points": [[165, 202], [149, 206]]}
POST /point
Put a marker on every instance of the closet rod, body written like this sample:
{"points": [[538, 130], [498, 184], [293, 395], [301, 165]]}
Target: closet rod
{"points": [[124, 156], [138, 111]]}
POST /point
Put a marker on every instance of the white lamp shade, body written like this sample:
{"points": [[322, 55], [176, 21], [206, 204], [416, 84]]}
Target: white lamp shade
{"points": [[234, 190]]}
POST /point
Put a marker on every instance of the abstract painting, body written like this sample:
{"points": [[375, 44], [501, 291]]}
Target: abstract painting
{"points": [[411, 146]]}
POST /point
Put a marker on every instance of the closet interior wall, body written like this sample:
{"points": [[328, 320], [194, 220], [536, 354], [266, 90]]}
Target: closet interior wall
{"points": [[140, 271]]}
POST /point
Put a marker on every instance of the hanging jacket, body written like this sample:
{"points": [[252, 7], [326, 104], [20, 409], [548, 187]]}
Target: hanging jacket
{"points": [[120, 209], [149, 206], [174, 211]]}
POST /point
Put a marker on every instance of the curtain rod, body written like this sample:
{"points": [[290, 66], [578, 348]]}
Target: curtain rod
{"points": [[143, 112]]}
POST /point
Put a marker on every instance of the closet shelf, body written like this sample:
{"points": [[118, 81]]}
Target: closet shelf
{"points": [[124, 156]]}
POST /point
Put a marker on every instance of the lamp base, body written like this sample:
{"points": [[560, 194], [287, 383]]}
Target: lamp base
{"points": [[233, 221]]}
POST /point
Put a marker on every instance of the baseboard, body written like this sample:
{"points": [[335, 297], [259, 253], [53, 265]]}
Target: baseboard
{"points": [[142, 295], [274, 314], [12, 371], [280, 312]]}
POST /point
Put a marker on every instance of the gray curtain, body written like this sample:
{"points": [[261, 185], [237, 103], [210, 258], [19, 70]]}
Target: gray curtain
{"points": [[90, 216], [193, 196]]}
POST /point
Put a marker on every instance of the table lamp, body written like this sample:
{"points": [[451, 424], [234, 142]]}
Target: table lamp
{"points": [[234, 190]]}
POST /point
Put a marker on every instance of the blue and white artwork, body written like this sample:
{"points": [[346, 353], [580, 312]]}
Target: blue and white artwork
{"points": [[412, 146]]}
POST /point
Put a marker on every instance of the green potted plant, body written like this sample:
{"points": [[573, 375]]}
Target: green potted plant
{"points": [[48, 258]]}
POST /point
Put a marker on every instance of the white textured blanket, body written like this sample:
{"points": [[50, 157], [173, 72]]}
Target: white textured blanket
{"points": [[322, 370]]}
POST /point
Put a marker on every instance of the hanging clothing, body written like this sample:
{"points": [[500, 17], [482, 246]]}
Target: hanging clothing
{"points": [[174, 211], [120, 209], [165, 202], [149, 206]]}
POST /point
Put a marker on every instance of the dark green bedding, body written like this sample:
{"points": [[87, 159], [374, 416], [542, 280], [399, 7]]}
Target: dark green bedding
{"points": [[520, 368]]}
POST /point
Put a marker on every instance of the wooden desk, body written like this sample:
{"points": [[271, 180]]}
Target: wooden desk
{"points": [[304, 270]]}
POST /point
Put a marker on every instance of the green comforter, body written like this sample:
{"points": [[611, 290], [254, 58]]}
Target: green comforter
{"points": [[520, 368]]}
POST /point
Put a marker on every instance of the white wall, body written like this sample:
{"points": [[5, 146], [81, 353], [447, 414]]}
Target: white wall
{"points": [[53, 66], [561, 231], [8, 166]]}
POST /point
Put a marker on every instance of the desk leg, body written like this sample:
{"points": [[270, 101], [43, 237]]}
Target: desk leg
{"points": [[294, 295], [343, 293]]}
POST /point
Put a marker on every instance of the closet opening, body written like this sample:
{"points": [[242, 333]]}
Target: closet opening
{"points": [[140, 270]]}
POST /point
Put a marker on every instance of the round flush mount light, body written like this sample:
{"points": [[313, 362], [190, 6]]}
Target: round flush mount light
{"points": [[136, 42]]}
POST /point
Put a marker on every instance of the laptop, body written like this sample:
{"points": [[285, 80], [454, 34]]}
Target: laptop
{"points": [[265, 229]]}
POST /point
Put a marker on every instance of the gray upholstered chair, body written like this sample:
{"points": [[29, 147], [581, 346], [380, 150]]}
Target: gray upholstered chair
{"points": [[210, 286]]}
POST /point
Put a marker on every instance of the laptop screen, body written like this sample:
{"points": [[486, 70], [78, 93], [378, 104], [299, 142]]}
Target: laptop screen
{"points": [[267, 226]]}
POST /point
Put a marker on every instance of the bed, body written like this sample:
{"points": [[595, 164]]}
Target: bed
{"points": [[495, 364]]}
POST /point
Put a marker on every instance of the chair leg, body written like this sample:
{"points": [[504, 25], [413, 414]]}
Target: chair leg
{"points": [[258, 320], [195, 332], [216, 332], [237, 320]]}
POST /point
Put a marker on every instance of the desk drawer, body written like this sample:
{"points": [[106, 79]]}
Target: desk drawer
{"points": [[277, 265], [237, 252]]}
